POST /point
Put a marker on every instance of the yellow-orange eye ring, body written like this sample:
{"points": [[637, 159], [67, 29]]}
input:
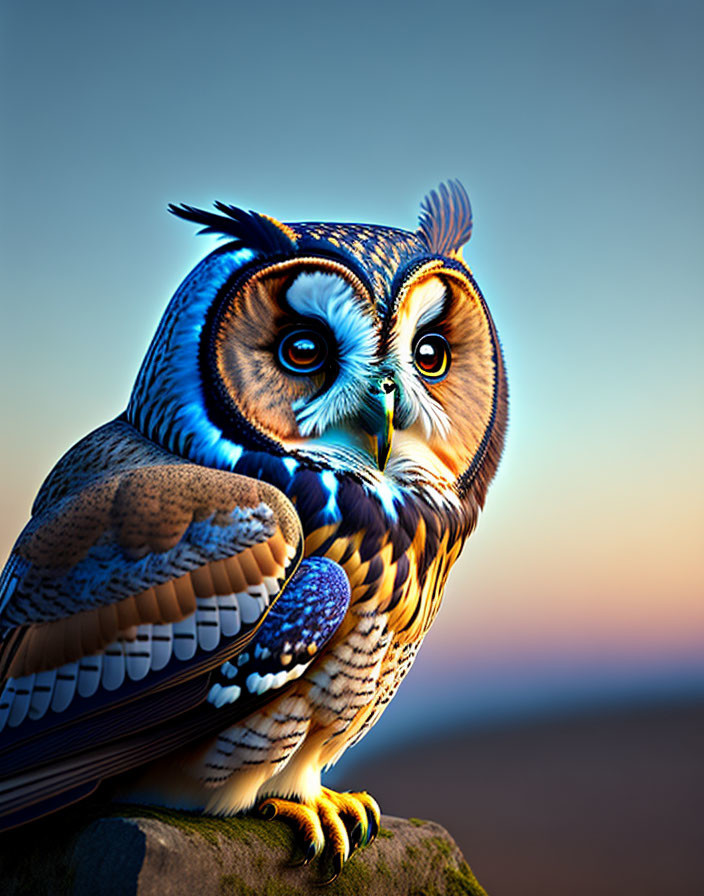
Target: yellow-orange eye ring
{"points": [[302, 351], [432, 356]]}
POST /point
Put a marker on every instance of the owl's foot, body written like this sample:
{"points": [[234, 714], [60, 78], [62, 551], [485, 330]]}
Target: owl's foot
{"points": [[342, 821]]}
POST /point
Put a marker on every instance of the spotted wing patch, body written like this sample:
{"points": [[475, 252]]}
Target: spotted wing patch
{"points": [[304, 619]]}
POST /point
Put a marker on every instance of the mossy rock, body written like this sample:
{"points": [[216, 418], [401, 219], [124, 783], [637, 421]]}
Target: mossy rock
{"points": [[147, 851]]}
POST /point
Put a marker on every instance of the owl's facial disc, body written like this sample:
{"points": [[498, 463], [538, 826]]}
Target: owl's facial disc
{"points": [[442, 349], [290, 346], [305, 359]]}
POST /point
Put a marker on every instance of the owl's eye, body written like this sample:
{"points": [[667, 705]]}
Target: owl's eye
{"points": [[303, 351], [432, 356]]}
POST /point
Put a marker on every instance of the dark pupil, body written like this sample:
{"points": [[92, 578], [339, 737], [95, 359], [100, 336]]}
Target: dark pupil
{"points": [[429, 355], [303, 351]]}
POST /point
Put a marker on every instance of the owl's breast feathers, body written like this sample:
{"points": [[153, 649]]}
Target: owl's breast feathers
{"points": [[397, 576], [397, 564], [396, 552]]}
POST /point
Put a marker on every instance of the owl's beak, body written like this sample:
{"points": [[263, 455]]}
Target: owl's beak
{"points": [[378, 419]]}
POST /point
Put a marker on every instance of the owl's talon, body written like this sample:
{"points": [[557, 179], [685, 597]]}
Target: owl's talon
{"points": [[354, 809], [369, 813], [373, 829], [357, 836], [342, 821], [267, 811], [304, 819], [308, 856], [337, 863]]}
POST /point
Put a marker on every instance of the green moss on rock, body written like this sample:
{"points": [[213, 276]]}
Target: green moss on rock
{"points": [[274, 834], [382, 868], [462, 882], [441, 845], [234, 885], [194, 824]]}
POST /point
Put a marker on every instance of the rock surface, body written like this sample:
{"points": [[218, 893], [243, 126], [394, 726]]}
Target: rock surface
{"points": [[152, 852]]}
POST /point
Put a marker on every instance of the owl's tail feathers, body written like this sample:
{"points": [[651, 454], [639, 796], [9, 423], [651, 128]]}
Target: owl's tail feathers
{"points": [[30, 811], [43, 771], [32, 785]]}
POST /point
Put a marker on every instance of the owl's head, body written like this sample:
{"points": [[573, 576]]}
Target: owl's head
{"points": [[361, 350]]}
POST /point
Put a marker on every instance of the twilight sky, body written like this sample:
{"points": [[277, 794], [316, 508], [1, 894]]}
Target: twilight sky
{"points": [[577, 130]]}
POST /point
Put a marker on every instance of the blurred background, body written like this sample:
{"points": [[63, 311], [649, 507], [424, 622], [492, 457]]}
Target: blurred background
{"points": [[554, 720]]}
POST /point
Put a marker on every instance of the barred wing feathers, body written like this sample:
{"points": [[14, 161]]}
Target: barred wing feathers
{"points": [[137, 576]]}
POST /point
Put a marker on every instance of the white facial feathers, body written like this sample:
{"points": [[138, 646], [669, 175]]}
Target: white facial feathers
{"points": [[419, 308], [331, 300], [424, 304]]}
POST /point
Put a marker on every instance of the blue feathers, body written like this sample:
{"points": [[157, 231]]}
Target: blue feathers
{"points": [[308, 612], [329, 299], [167, 400], [299, 624], [327, 477]]}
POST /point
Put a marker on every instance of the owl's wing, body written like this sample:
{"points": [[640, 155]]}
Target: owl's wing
{"points": [[197, 552], [125, 596], [67, 762]]}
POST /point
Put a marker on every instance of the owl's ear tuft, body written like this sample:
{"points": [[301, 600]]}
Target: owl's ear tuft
{"points": [[445, 221], [249, 229]]}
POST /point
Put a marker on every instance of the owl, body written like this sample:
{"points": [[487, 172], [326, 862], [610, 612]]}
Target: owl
{"points": [[220, 591]]}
